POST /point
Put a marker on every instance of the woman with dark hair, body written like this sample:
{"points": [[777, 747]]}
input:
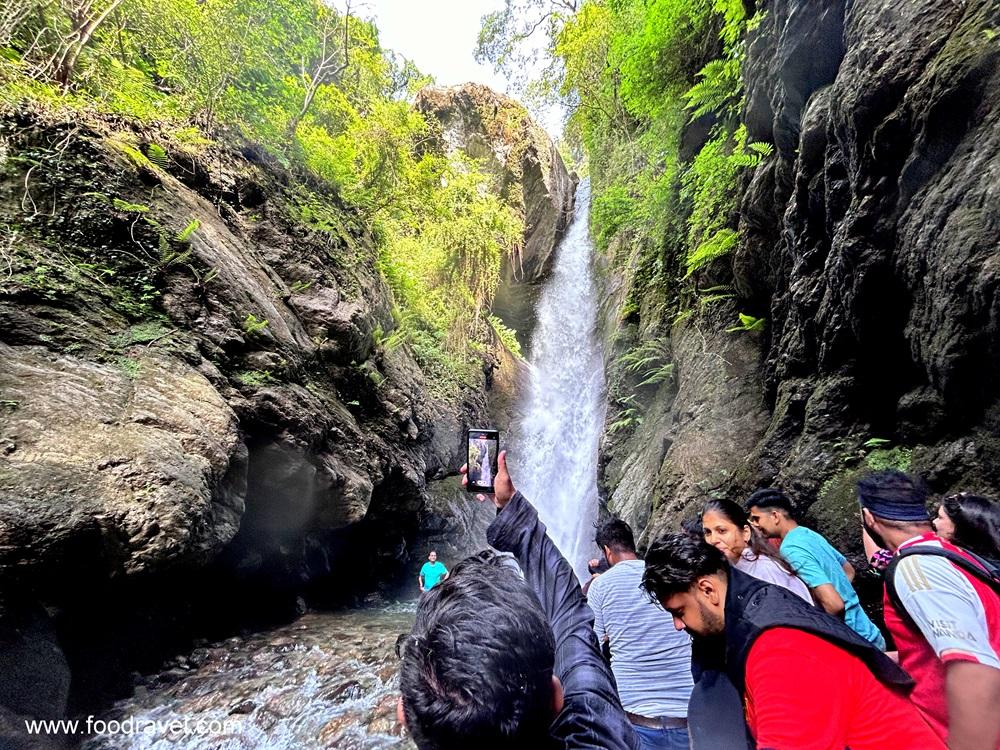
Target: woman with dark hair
{"points": [[727, 528], [972, 522]]}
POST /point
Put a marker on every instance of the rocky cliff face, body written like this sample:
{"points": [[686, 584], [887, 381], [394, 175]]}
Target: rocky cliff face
{"points": [[197, 416], [501, 136], [869, 242]]}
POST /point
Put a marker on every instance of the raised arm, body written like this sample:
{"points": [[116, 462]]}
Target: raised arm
{"points": [[593, 716]]}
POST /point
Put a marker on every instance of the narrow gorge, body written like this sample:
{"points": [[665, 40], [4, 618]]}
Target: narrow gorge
{"points": [[253, 292]]}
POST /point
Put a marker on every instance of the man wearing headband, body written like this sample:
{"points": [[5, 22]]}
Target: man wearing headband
{"points": [[944, 619]]}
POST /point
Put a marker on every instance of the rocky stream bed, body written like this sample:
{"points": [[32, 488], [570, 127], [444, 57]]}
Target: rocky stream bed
{"points": [[327, 680]]}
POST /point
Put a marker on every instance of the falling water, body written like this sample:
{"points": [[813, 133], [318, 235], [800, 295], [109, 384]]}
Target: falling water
{"points": [[555, 445]]}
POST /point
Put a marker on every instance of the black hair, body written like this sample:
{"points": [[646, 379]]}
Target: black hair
{"points": [[616, 534], [601, 567], [674, 562], [770, 498], [693, 528], [477, 667], [757, 544], [977, 523]]}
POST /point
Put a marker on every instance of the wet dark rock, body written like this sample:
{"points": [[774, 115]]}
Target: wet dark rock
{"points": [[243, 707], [212, 457], [349, 691], [868, 242]]}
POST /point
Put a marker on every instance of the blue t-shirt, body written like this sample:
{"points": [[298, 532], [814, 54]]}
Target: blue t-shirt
{"points": [[432, 573], [816, 562]]}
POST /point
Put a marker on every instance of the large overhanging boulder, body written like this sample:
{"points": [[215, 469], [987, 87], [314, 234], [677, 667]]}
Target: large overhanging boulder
{"points": [[501, 136], [112, 468]]}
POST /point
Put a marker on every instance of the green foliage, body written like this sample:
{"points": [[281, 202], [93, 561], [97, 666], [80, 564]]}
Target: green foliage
{"points": [[718, 89], [184, 235], [507, 336], [889, 458], [633, 73], [876, 443], [748, 324], [629, 416], [312, 88], [650, 361], [719, 244], [255, 378], [130, 367], [710, 185], [141, 333], [253, 325], [157, 155], [127, 207], [610, 211]]}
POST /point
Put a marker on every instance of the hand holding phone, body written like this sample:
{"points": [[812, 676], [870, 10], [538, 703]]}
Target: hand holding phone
{"points": [[503, 488]]}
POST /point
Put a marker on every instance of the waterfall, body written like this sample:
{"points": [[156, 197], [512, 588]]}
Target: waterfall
{"points": [[554, 456]]}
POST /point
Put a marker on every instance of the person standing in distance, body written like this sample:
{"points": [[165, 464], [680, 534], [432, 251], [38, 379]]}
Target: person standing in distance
{"points": [[432, 572]]}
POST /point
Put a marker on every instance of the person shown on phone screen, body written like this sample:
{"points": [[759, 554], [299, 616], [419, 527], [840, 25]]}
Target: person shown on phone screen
{"points": [[498, 660], [485, 468]]}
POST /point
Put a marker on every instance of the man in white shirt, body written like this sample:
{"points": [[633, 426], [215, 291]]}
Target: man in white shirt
{"points": [[650, 658]]}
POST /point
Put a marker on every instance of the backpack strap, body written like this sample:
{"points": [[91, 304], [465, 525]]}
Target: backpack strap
{"points": [[982, 569]]}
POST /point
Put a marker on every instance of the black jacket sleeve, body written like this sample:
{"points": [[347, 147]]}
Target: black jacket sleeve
{"points": [[592, 716]]}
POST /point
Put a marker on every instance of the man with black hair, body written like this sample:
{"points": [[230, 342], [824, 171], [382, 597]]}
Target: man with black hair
{"points": [[496, 661], [824, 569], [942, 611], [651, 661], [772, 671]]}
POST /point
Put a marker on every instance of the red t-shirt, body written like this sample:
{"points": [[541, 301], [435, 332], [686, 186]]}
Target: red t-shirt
{"points": [[955, 617], [804, 693]]}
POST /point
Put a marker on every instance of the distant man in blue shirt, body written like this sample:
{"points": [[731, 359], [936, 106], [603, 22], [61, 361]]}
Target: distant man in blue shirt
{"points": [[825, 571], [650, 658], [432, 573]]}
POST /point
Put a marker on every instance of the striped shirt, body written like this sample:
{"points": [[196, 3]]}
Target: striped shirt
{"points": [[650, 658]]}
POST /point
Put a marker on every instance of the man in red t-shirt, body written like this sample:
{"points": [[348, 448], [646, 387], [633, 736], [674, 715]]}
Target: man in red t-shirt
{"points": [[806, 680], [948, 633]]}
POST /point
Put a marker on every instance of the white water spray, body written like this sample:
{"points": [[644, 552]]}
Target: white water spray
{"points": [[556, 443]]}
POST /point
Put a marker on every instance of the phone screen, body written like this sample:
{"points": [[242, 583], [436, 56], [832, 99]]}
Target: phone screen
{"points": [[484, 445]]}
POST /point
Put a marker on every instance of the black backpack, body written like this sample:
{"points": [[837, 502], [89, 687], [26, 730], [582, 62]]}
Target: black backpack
{"points": [[985, 570]]}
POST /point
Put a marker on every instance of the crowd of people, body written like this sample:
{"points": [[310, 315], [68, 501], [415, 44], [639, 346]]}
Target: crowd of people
{"points": [[740, 631]]}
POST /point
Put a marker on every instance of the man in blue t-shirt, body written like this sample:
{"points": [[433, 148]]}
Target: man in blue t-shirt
{"points": [[432, 573], [825, 571]]}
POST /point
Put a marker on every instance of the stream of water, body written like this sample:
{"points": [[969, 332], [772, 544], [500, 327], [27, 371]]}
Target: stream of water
{"points": [[329, 680], [554, 452]]}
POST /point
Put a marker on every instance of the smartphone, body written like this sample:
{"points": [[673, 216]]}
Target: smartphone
{"points": [[484, 446]]}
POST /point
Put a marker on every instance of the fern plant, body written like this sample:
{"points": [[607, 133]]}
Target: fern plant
{"points": [[748, 323], [184, 235], [719, 244], [628, 416], [253, 325], [157, 155], [718, 89], [650, 361]]}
